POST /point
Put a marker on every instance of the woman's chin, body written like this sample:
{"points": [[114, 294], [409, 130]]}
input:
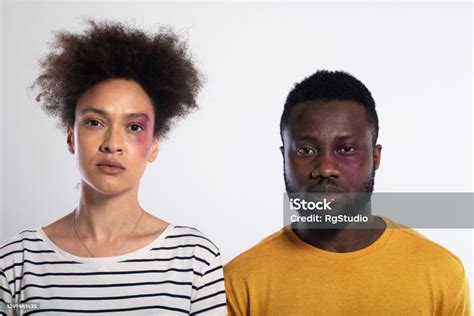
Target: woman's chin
{"points": [[108, 187]]}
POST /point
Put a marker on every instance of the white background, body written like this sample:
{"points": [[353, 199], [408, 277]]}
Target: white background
{"points": [[221, 170]]}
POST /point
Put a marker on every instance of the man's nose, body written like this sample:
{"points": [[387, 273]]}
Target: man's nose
{"points": [[326, 166]]}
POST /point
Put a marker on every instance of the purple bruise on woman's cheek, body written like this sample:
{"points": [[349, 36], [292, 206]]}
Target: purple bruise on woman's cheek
{"points": [[143, 140]]}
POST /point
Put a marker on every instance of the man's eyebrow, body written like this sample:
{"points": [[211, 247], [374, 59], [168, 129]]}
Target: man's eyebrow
{"points": [[104, 113], [344, 137], [307, 138], [315, 139]]}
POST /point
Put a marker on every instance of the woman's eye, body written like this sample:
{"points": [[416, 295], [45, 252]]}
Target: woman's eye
{"points": [[346, 149], [304, 151], [136, 128], [93, 123]]}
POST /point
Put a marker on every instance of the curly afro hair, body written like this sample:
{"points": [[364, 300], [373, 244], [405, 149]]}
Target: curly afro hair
{"points": [[159, 62], [331, 85]]}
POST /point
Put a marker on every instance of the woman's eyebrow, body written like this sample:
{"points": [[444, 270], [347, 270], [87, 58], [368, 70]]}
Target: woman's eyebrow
{"points": [[104, 113], [95, 110], [139, 114]]}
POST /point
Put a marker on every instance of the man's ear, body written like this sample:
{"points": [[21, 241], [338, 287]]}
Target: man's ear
{"points": [[154, 149], [70, 140], [377, 156]]}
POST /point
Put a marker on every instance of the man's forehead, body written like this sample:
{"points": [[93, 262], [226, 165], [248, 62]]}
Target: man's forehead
{"points": [[334, 118]]}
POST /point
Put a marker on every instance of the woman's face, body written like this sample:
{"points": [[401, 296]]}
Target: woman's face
{"points": [[113, 136]]}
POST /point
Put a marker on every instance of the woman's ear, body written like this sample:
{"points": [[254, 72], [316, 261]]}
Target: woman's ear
{"points": [[70, 140], [154, 149]]}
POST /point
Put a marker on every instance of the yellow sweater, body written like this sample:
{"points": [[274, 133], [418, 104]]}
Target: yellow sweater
{"points": [[402, 273]]}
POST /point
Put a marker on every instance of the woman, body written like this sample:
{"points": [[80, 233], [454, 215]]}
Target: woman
{"points": [[116, 91]]}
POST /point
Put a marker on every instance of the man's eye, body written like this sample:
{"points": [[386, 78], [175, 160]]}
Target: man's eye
{"points": [[136, 128], [346, 149], [304, 151]]}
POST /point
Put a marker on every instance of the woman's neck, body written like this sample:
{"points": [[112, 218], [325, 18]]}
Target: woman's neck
{"points": [[102, 217]]}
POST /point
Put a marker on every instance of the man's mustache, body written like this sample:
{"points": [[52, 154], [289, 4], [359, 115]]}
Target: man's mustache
{"points": [[324, 185]]}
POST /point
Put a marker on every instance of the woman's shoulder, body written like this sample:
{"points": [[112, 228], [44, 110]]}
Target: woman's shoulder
{"points": [[187, 236], [21, 240], [29, 240]]}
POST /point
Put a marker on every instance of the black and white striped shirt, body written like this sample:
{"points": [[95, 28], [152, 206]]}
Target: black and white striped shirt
{"points": [[180, 272]]}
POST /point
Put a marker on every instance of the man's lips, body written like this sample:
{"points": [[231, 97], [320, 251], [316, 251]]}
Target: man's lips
{"points": [[328, 192], [324, 189]]}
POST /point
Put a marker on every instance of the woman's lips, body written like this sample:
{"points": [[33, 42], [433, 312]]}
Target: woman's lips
{"points": [[110, 170], [110, 167]]}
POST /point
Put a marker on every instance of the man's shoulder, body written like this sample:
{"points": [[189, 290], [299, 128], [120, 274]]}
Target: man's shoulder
{"points": [[267, 248], [416, 245]]}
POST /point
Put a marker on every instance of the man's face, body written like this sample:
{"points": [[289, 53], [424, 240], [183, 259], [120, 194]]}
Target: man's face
{"points": [[328, 148]]}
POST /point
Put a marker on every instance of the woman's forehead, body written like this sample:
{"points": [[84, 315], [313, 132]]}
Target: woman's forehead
{"points": [[116, 97]]}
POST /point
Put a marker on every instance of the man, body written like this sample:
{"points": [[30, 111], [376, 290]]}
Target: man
{"points": [[329, 129]]}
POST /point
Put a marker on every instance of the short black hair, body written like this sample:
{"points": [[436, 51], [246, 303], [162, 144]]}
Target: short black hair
{"points": [[158, 61], [331, 85]]}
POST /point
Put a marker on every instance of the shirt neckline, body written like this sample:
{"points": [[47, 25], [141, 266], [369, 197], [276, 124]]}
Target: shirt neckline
{"points": [[104, 260], [310, 249]]}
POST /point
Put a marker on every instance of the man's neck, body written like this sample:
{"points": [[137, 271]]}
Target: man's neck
{"points": [[342, 240]]}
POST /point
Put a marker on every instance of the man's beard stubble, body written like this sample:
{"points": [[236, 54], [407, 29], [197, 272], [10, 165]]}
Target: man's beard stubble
{"points": [[357, 202], [367, 186]]}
